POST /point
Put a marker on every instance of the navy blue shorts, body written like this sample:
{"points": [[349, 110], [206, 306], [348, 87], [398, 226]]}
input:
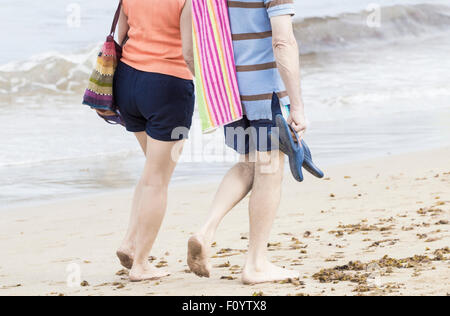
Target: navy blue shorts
{"points": [[246, 136], [161, 105]]}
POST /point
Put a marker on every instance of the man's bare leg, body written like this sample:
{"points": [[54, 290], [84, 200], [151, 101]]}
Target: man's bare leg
{"points": [[126, 251], [235, 186], [264, 203], [152, 206]]}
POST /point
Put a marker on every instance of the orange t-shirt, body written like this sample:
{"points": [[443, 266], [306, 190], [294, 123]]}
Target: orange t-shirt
{"points": [[154, 43]]}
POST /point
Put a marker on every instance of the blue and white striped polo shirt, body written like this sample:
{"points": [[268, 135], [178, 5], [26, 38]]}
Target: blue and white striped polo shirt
{"points": [[257, 72]]}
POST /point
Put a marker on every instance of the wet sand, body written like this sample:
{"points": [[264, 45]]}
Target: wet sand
{"points": [[378, 227]]}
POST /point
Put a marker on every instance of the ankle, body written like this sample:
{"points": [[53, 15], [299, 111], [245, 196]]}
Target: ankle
{"points": [[259, 265], [127, 246], [141, 263], [205, 237], [208, 232]]}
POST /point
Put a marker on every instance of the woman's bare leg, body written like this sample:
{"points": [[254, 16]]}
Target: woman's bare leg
{"points": [[127, 248], [264, 203], [152, 204], [235, 186]]}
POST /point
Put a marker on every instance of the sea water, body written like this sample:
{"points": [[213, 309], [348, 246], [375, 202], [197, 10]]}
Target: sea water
{"points": [[375, 83]]}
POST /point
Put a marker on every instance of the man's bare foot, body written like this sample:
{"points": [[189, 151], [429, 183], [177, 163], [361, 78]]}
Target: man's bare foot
{"points": [[198, 257], [270, 273], [146, 272], [126, 257]]}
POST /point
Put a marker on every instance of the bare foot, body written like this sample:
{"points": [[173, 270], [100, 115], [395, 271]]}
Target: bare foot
{"points": [[198, 257], [270, 273], [146, 272], [125, 257]]}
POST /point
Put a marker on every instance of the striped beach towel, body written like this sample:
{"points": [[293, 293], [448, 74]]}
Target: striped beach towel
{"points": [[217, 89]]}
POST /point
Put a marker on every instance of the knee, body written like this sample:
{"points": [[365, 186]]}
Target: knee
{"points": [[154, 183], [247, 169], [271, 170]]}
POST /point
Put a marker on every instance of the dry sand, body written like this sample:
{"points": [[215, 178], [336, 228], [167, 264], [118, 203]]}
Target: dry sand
{"points": [[396, 206]]}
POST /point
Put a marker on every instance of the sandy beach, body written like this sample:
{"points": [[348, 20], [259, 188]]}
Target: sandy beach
{"points": [[378, 227]]}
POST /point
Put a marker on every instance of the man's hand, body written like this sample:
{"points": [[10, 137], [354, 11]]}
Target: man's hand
{"points": [[298, 122]]}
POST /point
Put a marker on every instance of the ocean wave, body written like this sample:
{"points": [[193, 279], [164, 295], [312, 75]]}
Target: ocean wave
{"points": [[321, 34], [67, 74], [49, 74]]}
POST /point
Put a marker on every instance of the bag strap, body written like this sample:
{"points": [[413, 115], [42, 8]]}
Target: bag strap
{"points": [[116, 19]]}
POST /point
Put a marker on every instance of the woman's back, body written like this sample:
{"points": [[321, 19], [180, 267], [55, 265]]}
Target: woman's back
{"points": [[154, 43]]}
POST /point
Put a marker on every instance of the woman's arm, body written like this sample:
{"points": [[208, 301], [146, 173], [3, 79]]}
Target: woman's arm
{"points": [[123, 27], [186, 35]]}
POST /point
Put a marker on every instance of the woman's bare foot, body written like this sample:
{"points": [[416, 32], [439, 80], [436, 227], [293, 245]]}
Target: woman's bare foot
{"points": [[126, 257], [198, 256], [146, 272], [269, 273]]}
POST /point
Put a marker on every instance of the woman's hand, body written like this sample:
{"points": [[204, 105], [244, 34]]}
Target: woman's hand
{"points": [[298, 121]]}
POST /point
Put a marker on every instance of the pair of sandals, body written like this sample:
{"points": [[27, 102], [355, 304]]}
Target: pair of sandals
{"points": [[297, 150]]}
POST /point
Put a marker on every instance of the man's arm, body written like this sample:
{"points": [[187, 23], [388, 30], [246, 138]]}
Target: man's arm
{"points": [[186, 35], [287, 54]]}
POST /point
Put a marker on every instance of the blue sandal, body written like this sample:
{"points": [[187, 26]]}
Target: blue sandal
{"points": [[291, 148], [308, 163]]}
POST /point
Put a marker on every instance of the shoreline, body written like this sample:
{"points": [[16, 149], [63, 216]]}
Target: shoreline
{"points": [[201, 180], [397, 206]]}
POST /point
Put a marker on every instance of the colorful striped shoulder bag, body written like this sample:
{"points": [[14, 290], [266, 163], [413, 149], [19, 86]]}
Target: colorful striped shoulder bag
{"points": [[99, 94]]}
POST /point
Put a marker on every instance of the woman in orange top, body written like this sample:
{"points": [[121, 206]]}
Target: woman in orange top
{"points": [[154, 91]]}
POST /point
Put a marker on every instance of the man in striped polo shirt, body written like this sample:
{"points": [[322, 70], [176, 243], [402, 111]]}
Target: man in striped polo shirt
{"points": [[268, 69], [258, 75]]}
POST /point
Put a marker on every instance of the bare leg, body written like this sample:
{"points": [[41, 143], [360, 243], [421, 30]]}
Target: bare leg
{"points": [[142, 139], [127, 248], [264, 203], [152, 205], [235, 186]]}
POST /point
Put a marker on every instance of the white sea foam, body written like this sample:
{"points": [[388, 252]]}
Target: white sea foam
{"points": [[332, 8], [56, 72]]}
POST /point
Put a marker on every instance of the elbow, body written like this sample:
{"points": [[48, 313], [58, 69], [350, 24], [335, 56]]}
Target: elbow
{"points": [[188, 52], [190, 62], [282, 43], [191, 67], [188, 56]]}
